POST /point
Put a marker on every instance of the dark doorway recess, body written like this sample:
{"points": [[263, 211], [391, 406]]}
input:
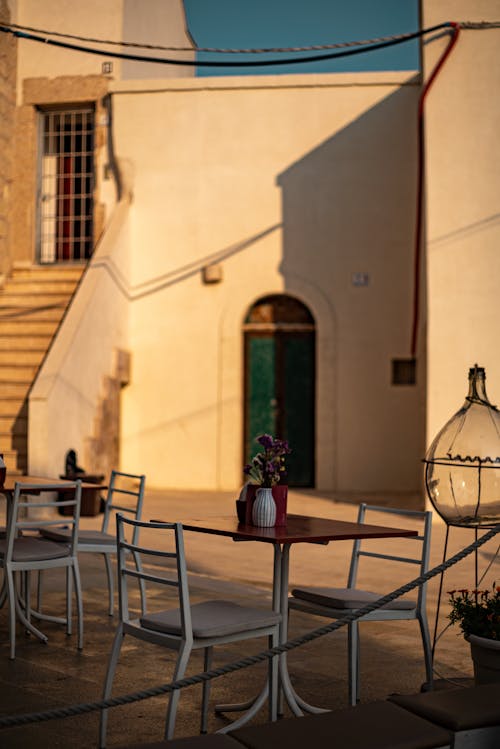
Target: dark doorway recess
{"points": [[279, 341]]}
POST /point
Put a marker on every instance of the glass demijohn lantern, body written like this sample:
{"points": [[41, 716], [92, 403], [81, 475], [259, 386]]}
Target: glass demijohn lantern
{"points": [[462, 473]]}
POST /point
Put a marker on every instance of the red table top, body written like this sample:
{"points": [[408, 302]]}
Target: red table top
{"points": [[299, 528]]}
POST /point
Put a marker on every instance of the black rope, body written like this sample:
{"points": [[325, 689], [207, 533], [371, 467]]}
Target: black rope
{"points": [[80, 709]]}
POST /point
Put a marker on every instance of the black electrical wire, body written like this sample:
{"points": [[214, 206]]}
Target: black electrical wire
{"points": [[228, 63], [195, 48]]}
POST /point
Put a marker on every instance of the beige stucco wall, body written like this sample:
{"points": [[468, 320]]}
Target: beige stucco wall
{"points": [[462, 122], [148, 21], [65, 398], [295, 182]]}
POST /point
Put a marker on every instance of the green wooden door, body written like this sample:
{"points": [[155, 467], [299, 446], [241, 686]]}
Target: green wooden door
{"points": [[280, 396]]}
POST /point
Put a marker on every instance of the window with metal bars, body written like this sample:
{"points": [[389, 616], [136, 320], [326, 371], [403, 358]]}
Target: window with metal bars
{"points": [[66, 184]]}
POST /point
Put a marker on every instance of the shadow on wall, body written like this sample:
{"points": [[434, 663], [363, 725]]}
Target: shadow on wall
{"points": [[349, 211]]}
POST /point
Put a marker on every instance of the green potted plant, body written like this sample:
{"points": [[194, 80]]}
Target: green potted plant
{"points": [[266, 491], [477, 612]]}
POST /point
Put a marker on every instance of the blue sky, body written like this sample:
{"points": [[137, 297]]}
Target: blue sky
{"points": [[283, 23]]}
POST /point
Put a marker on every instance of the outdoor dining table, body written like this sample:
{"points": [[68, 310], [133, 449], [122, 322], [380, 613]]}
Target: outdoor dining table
{"points": [[8, 489], [298, 529], [55, 484]]}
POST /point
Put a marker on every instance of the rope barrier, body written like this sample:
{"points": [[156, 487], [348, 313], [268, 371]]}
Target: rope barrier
{"points": [[80, 709]]}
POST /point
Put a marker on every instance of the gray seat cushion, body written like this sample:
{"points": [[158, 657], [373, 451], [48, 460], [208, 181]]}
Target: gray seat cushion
{"points": [[458, 709], [375, 725], [212, 619], [29, 549], [347, 598], [84, 536]]}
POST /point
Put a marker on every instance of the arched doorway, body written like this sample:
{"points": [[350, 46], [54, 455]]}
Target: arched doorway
{"points": [[279, 351]]}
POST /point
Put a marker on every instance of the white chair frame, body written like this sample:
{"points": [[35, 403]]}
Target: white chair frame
{"points": [[186, 641], [417, 612], [23, 554], [103, 542]]}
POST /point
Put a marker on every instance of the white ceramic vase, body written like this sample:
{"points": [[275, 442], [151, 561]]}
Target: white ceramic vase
{"points": [[264, 508]]}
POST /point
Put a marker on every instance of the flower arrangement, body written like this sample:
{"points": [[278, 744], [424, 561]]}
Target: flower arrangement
{"points": [[476, 611], [267, 468]]}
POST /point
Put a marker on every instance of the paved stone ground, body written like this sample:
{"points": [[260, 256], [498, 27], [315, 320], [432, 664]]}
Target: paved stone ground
{"points": [[56, 674]]}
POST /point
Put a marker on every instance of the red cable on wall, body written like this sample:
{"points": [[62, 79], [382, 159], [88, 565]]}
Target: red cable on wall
{"points": [[420, 185]]}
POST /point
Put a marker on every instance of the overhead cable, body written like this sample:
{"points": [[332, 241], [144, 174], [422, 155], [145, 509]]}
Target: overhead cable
{"points": [[246, 50], [219, 63], [195, 48]]}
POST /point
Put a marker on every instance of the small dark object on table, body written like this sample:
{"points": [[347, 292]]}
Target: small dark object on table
{"points": [[91, 499]]}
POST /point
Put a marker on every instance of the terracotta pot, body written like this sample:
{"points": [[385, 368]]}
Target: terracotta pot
{"points": [[486, 657], [280, 495]]}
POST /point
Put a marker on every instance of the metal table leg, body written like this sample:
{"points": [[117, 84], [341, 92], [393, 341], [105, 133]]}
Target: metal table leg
{"points": [[252, 706]]}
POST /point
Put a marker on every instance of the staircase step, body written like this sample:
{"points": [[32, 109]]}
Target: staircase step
{"points": [[13, 425], [23, 342], [27, 327], [10, 457], [31, 300], [11, 406], [14, 389], [40, 286], [17, 374], [68, 272], [12, 442], [21, 357]]}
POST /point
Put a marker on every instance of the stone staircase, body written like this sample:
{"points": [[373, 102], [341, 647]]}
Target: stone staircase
{"points": [[33, 301]]}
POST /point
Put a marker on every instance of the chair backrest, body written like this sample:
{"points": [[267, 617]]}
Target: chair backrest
{"points": [[169, 545], [420, 543], [125, 494], [18, 512]]}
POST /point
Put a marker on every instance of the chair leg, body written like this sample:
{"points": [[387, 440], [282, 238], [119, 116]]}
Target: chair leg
{"points": [[206, 690], [27, 595], [11, 592], [142, 584], [180, 668], [79, 602], [3, 593], [426, 642], [353, 662], [69, 602], [108, 684], [39, 591], [273, 666], [111, 587]]}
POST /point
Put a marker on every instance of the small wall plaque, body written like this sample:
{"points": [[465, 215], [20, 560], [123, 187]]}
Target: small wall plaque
{"points": [[212, 273], [360, 279]]}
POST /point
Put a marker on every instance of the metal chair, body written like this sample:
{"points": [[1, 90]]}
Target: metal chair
{"points": [[334, 603], [23, 553], [102, 541], [184, 627]]}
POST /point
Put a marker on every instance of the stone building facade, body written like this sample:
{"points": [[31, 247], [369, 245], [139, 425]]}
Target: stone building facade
{"points": [[253, 255]]}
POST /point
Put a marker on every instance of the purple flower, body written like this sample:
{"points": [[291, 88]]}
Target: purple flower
{"points": [[266, 441], [267, 467]]}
